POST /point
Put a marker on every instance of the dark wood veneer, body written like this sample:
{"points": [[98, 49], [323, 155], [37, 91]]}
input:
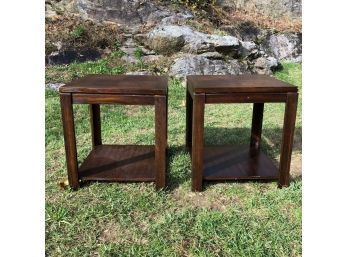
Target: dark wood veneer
{"points": [[120, 84], [115, 162], [215, 84], [237, 162], [119, 163]]}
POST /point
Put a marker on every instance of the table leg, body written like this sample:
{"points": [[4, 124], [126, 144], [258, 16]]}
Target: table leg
{"points": [[188, 121], [166, 124], [198, 141], [94, 110], [160, 140], [69, 139], [256, 127], [287, 141]]}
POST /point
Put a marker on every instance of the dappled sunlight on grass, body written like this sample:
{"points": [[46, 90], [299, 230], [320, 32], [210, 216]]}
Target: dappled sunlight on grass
{"points": [[132, 219]]}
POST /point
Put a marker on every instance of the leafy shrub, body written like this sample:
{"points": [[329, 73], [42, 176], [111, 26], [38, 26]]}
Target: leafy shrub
{"points": [[78, 32], [117, 45], [138, 53], [118, 70]]}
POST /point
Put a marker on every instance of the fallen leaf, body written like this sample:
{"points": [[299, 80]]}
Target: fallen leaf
{"points": [[63, 184]]}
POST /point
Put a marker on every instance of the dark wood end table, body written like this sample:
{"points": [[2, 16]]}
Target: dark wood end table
{"points": [[220, 163], [116, 162]]}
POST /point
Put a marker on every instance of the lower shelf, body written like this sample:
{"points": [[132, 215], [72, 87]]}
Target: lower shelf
{"points": [[119, 163], [237, 163]]}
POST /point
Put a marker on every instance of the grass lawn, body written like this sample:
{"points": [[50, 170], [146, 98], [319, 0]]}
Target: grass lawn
{"points": [[132, 219]]}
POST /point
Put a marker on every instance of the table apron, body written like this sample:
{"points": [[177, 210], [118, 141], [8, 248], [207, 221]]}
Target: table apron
{"points": [[113, 99], [245, 98]]}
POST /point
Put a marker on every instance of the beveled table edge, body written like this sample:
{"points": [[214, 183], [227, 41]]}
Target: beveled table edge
{"points": [[65, 88], [283, 90]]}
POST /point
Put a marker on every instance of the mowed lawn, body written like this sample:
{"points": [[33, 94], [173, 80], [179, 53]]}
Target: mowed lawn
{"points": [[132, 219]]}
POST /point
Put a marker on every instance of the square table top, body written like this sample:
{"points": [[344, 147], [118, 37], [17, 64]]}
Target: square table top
{"points": [[249, 83], [117, 84]]}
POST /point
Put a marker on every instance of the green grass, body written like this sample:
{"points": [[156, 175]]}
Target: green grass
{"points": [[111, 64], [226, 219]]}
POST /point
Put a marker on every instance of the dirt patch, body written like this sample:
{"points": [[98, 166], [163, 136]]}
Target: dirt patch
{"points": [[133, 110], [208, 200], [296, 166], [112, 232]]}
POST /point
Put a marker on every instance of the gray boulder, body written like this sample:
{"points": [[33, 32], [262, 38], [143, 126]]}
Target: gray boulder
{"points": [[200, 65], [287, 46], [147, 55], [266, 65], [283, 46], [167, 39], [132, 12], [54, 86], [249, 50], [49, 11], [212, 55], [53, 7], [177, 18], [128, 54]]}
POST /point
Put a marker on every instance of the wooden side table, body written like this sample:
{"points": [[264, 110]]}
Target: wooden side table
{"points": [[116, 162], [219, 163]]}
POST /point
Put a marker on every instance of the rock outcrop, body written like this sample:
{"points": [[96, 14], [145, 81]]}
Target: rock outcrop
{"points": [[169, 39], [205, 54], [131, 13], [200, 65], [265, 65], [284, 46]]}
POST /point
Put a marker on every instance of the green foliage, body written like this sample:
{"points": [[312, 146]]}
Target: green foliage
{"points": [[118, 70], [138, 53], [117, 45], [118, 53], [57, 214], [98, 67], [132, 219], [290, 72], [108, 65], [78, 32], [81, 69]]}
